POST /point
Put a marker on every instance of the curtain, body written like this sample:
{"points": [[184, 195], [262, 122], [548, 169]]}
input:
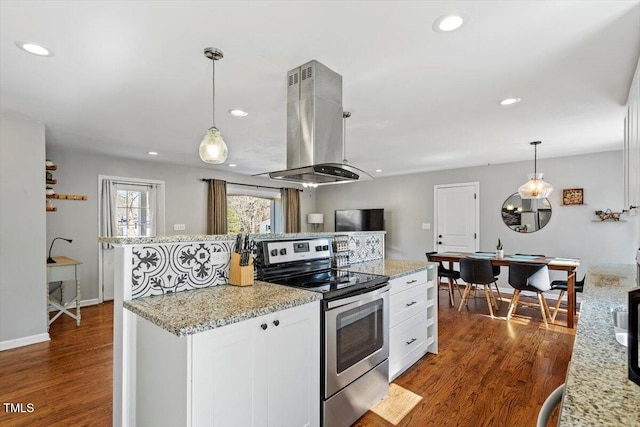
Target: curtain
{"points": [[291, 201], [217, 207], [108, 220]]}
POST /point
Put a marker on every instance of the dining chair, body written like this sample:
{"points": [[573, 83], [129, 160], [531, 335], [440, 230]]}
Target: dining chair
{"points": [[549, 405], [496, 273], [451, 275], [533, 278], [478, 272], [563, 286]]}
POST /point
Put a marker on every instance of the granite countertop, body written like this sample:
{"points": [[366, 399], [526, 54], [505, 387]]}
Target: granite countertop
{"points": [[597, 389], [390, 267], [221, 237], [190, 312]]}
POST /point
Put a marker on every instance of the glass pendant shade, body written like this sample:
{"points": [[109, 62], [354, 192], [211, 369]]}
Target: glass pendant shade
{"points": [[535, 188], [212, 148]]}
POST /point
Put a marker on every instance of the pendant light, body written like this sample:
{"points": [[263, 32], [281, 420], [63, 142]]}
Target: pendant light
{"points": [[212, 148], [536, 187]]}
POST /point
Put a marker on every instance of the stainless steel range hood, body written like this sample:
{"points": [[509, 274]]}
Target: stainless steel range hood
{"points": [[314, 127]]}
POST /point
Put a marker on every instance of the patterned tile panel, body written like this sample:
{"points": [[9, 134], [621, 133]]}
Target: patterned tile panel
{"points": [[167, 268], [366, 247]]}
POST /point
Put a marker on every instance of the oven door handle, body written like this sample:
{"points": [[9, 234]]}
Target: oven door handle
{"points": [[362, 298]]}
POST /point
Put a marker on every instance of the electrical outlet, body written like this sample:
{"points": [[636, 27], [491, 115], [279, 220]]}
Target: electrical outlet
{"points": [[179, 227], [426, 226]]}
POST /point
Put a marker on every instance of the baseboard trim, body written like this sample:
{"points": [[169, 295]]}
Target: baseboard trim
{"points": [[21, 342]]}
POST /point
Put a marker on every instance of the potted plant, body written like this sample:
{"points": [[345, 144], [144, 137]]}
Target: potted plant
{"points": [[499, 251]]}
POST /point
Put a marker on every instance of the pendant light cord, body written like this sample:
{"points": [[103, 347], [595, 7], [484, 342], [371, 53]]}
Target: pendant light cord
{"points": [[213, 95], [345, 116], [535, 159], [213, 54]]}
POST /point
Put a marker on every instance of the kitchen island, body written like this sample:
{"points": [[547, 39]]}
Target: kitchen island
{"points": [[199, 310], [227, 355], [597, 389]]}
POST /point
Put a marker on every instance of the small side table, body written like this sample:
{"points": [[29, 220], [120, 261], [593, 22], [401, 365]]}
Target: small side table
{"points": [[64, 269]]}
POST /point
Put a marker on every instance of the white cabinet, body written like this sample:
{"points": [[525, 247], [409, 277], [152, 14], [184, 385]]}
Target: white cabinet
{"points": [[632, 147], [414, 319], [263, 371]]}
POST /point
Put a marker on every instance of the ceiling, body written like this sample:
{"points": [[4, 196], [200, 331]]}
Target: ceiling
{"points": [[130, 77]]}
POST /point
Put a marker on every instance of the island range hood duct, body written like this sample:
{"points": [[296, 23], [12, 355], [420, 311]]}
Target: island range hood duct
{"points": [[314, 127]]}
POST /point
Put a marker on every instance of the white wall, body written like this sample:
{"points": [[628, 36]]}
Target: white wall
{"points": [[22, 232], [408, 202], [185, 199]]}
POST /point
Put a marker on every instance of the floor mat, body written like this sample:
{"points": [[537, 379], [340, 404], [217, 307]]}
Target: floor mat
{"points": [[396, 404]]}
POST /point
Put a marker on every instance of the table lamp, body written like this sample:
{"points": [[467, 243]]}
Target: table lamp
{"points": [[51, 260], [315, 219]]}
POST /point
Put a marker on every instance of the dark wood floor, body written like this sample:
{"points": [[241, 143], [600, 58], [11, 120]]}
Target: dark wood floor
{"points": [[489, 372], [68, 379]]}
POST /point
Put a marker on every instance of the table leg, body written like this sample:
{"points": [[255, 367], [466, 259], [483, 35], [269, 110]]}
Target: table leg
{"points": [[571, 298], [77, 301], [452, 300]]}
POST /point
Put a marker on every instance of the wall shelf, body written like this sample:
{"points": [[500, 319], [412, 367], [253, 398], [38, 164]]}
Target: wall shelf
{"points": [[608, 220], [67, 196], [51, 168]]}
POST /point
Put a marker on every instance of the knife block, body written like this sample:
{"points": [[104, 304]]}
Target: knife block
{"points": [[240, 275]]}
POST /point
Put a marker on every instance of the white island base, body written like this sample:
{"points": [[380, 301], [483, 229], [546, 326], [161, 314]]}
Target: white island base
{"points": [[261, 371]]}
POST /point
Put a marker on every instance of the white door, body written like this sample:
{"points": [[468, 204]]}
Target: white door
{"points": [[457, 217]]}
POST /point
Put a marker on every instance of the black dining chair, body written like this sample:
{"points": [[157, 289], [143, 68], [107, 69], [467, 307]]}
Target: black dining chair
{"points": [[562, 286], [452, 277], [533, 278], [496, 273], [478, 272]]}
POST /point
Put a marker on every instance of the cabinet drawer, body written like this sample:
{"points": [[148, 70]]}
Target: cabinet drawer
{"points": [[403, 283], [408, 343], [406, 304]]}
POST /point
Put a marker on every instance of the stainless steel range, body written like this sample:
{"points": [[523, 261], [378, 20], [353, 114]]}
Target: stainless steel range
{"points": [[355, 323]]}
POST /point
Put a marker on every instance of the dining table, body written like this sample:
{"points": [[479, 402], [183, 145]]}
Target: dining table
{"points": [[553, 263]]}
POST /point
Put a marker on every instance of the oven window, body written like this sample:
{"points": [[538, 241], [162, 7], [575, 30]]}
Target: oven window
{"points": [[359, 334]]}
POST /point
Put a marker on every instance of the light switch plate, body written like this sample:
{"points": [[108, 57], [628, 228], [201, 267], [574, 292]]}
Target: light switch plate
{"points": [[179, 227], [426, 226]]}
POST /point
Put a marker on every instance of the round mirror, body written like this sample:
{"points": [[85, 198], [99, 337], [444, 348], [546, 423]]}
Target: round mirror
{"points": [[525, 215]]}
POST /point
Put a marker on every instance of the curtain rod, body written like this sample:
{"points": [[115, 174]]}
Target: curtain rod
{"points": [[250, 185]]}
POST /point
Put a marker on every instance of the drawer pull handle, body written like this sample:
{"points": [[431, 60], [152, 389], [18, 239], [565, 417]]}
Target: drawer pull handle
{"points": [[411, 341], [409, 304], [263, 326], [412, 281]]}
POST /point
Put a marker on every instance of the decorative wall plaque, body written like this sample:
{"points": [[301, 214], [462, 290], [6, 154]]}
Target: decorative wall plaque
{"points": [[573, 196]]}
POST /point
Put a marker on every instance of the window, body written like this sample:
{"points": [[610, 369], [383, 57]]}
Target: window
{"points": [[253, 210], [133, 213]]}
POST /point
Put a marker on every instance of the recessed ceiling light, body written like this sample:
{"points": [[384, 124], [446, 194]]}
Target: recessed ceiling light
{"points": [[232, 165], [152, 153], [236, 112], [510, 101], [448, 23], [34, 48], [378, 170]]}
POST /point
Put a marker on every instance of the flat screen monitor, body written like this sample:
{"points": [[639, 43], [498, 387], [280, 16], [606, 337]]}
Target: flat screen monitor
{"points": [[360, 220]]}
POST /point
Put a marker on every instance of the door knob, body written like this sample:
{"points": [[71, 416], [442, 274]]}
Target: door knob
{"points": [[276, 322], [439, 236], [439, 243], [263, 326]]}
